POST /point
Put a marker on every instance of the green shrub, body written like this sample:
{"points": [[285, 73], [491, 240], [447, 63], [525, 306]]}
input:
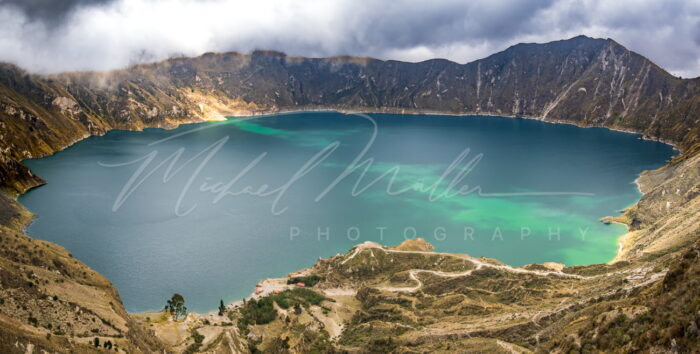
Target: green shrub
{"points": [[258, 311], [194, 347], [306, 295], [310, 280]]}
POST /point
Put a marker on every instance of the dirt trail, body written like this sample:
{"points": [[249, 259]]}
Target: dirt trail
{"points": [[412, 274], [512, 348], [478, 264]]}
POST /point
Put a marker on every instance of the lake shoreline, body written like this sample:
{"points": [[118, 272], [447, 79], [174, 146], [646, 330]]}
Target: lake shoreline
{"points": [[461, 115]]}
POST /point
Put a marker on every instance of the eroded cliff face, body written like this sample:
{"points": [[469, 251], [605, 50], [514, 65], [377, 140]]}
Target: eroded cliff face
{"points": [[403, 299]]}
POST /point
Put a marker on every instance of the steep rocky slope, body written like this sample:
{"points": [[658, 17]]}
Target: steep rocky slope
{"points": [[50, 301], [396, 300], [374, 298]]}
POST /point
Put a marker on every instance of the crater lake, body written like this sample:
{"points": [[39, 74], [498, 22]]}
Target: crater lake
{"points": [[209, 209]]}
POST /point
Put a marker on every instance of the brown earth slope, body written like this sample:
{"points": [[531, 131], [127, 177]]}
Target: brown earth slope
{"points": [[50, 301]]}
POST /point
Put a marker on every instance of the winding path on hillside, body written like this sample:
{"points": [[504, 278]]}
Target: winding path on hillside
{"points": [[478, 264]]}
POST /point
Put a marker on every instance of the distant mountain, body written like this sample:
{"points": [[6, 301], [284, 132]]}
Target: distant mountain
{"points": [[586, 81]]}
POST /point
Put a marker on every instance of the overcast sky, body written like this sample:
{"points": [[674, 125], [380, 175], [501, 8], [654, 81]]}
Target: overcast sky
{"points": [[62, 35]]}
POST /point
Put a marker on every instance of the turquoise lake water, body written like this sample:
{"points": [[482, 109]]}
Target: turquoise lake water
{"points": [[208, 210]]}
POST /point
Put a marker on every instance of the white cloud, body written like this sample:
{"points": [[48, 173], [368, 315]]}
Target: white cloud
{"points": [[121, 32]]}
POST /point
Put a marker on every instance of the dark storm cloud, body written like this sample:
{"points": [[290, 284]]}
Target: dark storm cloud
{"points": [[46, 35], [407, 25], [49, 11]]}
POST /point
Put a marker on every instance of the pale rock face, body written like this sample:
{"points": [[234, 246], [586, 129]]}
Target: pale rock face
{"points": [[66, 104], [10, 110], [153, 112], [558, 267]]}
